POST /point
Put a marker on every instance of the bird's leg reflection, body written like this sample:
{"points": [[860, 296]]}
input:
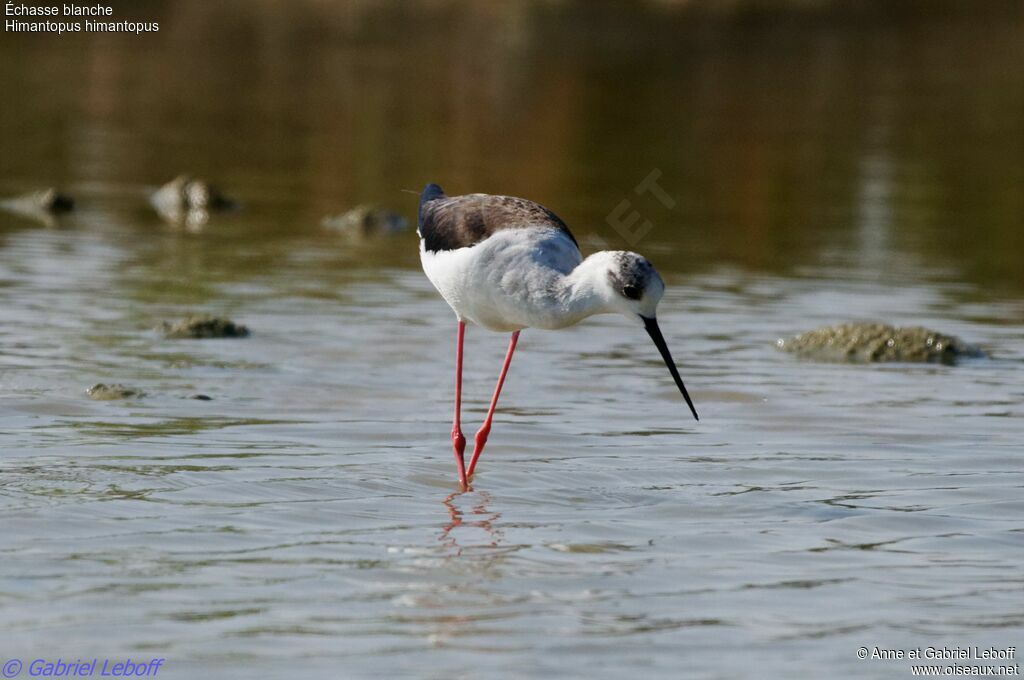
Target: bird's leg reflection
{"points": [[481, 517], [456, 520]]}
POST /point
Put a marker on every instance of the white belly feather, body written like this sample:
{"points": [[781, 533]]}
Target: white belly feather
{"points": [[511, 280]]}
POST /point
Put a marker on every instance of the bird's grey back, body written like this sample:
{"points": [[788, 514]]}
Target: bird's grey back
{"points": [[452, 222]]}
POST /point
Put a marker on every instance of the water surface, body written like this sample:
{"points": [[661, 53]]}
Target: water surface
{"points": [[822, 165]]}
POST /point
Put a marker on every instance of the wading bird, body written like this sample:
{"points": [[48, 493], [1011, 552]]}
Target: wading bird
{"points": [[506, 263]]}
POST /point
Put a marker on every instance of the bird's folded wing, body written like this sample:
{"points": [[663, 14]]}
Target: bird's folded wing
{"points": [[451, 222]]}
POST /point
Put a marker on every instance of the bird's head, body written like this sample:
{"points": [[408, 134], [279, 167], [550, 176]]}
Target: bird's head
{"points": [[634, 290], [636, 287]]}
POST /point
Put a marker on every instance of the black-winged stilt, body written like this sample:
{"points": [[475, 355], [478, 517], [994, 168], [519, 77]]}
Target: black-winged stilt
{"points": [[506, 263]]}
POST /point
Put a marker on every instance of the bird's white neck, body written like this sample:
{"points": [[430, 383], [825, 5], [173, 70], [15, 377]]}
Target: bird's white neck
{"points": [[583, 292]]}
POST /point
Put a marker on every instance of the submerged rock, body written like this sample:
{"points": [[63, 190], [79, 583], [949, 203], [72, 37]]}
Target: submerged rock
{"points": [[41, 205], [104, 392], [45, 200], [203, 326], [874, 342], [367, 220], [189, 201]]}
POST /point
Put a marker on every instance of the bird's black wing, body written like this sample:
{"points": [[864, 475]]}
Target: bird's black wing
{"points": [[452, 222]]}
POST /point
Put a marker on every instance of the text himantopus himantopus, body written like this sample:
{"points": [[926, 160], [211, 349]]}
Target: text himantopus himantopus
{"points": [[506, 263]]}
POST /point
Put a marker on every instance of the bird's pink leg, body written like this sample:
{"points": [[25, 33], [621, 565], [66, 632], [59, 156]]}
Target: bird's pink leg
{"points": [[458, 439], [485, 429]]}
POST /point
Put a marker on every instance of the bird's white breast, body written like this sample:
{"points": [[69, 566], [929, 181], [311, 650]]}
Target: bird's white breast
{"points": [[510, 280]]}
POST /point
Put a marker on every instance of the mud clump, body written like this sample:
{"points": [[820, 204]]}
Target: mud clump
{"points": [[876, 342], [104, 392], [49, 201], [189, 201], [43, 205], [366, 220], [203, 326]]}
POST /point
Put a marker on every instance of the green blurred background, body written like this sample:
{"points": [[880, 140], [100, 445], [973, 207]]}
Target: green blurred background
{"points": [[787, 132]]}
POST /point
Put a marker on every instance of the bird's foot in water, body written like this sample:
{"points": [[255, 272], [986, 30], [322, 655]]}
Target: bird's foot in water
{"points": [[459, 449]]}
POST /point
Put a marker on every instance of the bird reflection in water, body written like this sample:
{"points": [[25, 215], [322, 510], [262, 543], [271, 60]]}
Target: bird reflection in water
{"points": [[480, 517]]}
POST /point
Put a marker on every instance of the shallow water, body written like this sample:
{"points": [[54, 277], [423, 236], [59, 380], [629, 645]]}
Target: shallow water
{"points": [[822, 168]]}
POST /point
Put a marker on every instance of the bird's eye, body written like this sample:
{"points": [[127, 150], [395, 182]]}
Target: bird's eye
{"points": [[633, 292]]}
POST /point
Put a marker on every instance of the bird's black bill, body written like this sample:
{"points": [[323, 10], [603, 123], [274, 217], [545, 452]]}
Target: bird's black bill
{"points": [[651, 324]]}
